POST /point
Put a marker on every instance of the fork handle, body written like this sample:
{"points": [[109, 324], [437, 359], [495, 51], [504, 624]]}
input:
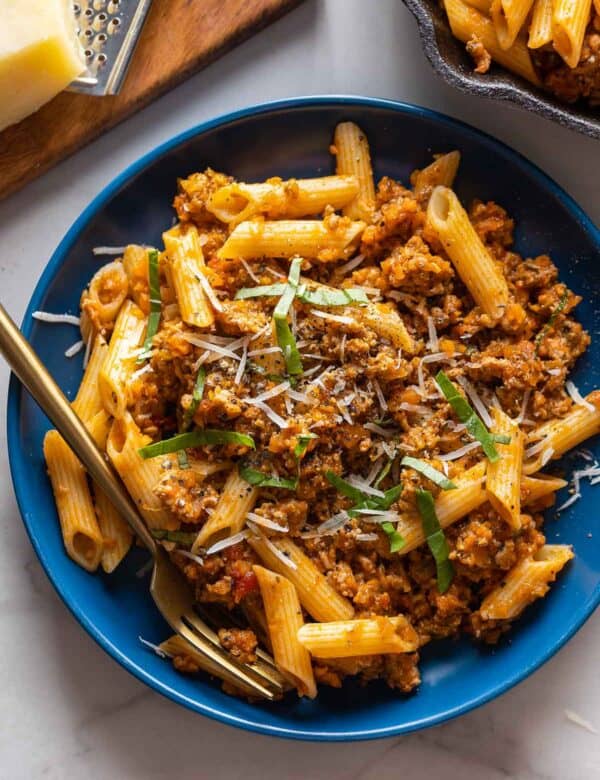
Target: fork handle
{"points": [[26, 365]]}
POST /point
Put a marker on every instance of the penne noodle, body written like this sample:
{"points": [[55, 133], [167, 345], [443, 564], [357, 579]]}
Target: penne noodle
{"points": [[569, 22], [508, 17], [353, 158], [351, 638], [115, 532], [88, 401], [442, 171], [284, 621], [529, 580], [470, 494], [467, 22], [316, 595], [504, 476], [559, 436], [229, 516], [480, 5], [186, 268], [120, 361], [107, 292], [277, 199], [335, 238], [474, 264], [81, 534], [139, 476], [135, 265], [387, 323], [540, 30]]}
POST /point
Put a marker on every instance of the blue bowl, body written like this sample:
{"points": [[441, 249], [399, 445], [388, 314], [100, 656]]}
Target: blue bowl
{"points": [[291, 138]]}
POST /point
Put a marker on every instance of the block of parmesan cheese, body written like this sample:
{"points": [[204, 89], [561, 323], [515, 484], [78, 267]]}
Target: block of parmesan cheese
{"points": [[39, 54]]}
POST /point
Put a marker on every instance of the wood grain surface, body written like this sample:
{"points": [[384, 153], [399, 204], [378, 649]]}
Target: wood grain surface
{"points": [[179, 38]]}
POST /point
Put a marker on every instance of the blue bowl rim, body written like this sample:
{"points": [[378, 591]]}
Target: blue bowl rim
{"points": [[18, 471]]}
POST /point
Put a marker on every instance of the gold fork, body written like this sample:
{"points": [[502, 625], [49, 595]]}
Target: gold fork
{"points": [[169, 589]]}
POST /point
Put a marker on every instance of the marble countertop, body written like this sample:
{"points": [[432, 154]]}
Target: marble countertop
{"points": [[69, 711]]}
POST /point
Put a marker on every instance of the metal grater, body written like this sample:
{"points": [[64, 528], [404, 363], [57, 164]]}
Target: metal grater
{"points": [[108, 31]]}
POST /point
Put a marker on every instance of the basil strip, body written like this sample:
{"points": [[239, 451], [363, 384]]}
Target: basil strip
{"points": [[257, 478], [428, 471], [285, 337], [303, 440], [363, 501], [436, 541], [186, 538], [467, 415], [501, 438], [260, 291], [544, 331], [316, 297], [396, 540], [182, 459], [195, 439], [154, 316], [197, 394]]}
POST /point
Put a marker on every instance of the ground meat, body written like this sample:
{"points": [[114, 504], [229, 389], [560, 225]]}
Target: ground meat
{"points": [[241, 643], [479, 53], [186, 495], [239, 318], [412, 268]]}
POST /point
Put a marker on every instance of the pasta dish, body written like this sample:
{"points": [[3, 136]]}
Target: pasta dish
{"points": [[554, 44], [336, 404]]}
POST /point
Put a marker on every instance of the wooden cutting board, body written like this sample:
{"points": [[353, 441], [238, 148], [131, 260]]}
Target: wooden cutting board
{"points": [[179, 38]]}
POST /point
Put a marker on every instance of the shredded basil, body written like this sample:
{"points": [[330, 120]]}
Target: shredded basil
{"points": [[285, 337], [316, 297], [197, 394], [363, 501], [195, 439], [436, 540], [264, 290], [384, 472], [552, 319], [154, 316], [185, 538], [467, 415], [258, 479], [501, 438], [303, 440], [428, 471], [182, 459], [396, 540]]}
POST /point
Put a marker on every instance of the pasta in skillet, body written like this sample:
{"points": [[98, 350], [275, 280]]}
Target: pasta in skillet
{"points": [[334, 404]]}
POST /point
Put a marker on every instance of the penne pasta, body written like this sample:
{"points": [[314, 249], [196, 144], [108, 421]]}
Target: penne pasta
{"points": [[529, 580], [556, 437], [441, 172], [335, 238], [135, 265], [467, 22], [480, 5], [540, 30], [504, 476], [284, 620], [106, 293], [120, 361], [99, 426], [81, 534], [236, 500], [569, 21], [508, 17], [474, 264], [470, 494], [139, 476], [88, 401], [387, 323], [278, 199], [116, 534], [316, 595], [186, 268], [351, 638], [353, 158]]}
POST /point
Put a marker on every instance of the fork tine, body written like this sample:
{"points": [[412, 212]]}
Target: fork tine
{"points": [[225, 668], [223, 618], [265, 670]]}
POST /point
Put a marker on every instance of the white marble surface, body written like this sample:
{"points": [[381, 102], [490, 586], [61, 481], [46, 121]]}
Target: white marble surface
{"points": [[58, 720]]}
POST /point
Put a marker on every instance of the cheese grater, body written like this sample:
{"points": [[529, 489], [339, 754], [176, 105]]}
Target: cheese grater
{"points": [[108, 31]]}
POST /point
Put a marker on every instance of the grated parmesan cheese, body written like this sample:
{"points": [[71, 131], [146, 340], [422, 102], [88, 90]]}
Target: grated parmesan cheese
{"points": [[271, 414], [579, 721], [74, 349], [242, 366], [326, 315], [229, 542], [577, 398], [433, 344], [109, 250], [351, 264], [267, 523], [209, 292], [455, 454], [59, 319], [249, 271]]}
